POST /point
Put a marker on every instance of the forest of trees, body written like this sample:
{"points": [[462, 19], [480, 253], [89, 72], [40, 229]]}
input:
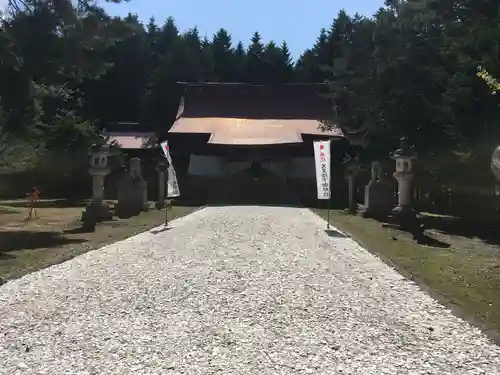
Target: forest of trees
{"points": [[67, 68]]}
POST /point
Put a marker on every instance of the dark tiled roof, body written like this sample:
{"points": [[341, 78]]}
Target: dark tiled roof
{"points": [[127, 127], [236, 100]]}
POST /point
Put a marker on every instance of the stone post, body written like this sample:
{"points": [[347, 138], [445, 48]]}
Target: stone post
{"points": [[98, 210], [378, 200], [404, 158], [352, 170], [161, 168], [139, 185]]}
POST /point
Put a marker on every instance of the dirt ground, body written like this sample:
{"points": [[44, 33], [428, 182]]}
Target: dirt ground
{"points": [[56, 235]]}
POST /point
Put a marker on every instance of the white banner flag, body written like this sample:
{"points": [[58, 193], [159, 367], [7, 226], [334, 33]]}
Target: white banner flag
{"points": [[322, 165], [172, 185]]}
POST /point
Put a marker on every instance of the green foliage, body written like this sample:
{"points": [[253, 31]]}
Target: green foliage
{"points": [[67, 68], [411, 70], [69, 135]]}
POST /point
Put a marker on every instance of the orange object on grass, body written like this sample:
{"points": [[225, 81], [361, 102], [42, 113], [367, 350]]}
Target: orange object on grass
{"points": [[33, 199]]}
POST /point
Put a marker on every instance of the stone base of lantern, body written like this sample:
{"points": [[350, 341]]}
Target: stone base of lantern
{"points": [[369, 213], [404, 213], [96, 212], [406, 219]]}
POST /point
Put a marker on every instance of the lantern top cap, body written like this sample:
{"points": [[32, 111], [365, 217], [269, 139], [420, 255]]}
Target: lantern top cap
{"points": [[404, 151]]}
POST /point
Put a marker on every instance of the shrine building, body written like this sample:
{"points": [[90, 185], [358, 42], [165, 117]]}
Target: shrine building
{"points": [[250, 143]]}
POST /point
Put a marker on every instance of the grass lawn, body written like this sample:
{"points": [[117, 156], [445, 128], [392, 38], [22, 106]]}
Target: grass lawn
{"points": [[462, 272], [27, 246]]}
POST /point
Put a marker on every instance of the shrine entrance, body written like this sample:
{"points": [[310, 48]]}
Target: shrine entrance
{"points": [[257, 185]]}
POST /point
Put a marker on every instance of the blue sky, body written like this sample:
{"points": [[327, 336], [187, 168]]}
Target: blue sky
{"points": [[299, 24]]}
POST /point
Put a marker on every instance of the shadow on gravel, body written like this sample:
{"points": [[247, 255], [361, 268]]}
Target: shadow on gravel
{"points": [[335, 234], [158, 231]]}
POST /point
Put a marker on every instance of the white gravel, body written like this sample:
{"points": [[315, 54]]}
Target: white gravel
{"points": [[233, 290]]}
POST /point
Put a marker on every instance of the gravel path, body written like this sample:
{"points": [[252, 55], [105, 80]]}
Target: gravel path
{"points": [[233, 290]]}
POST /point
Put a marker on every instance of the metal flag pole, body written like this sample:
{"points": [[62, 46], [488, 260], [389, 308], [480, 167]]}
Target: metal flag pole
{"points": [[328, 208], [329, 190], [336, 108], [166, 192], [166, 214]]}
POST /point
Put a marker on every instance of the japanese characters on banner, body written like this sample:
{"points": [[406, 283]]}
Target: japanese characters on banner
{"points": [[322, 165], [172, 185]]}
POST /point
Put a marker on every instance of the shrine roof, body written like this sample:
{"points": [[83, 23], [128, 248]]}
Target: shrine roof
{"points": [[237, 131], [247, 114], [240, 100]]}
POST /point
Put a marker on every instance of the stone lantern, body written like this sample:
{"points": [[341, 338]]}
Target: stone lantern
{"points": [[162, 167], [98, 210], [404, 158], [495, 163]]}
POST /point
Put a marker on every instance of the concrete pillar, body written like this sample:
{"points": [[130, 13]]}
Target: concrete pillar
{"points": [[351, 170], [97, 186], [144, 187], [351, 179], [405, 191], [161, 168]]}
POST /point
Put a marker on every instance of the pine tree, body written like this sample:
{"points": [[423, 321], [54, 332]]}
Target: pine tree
{"points": [[254, 63], [168, 37], [288, 68], [222, 56], [277, 67], [240, 62]]}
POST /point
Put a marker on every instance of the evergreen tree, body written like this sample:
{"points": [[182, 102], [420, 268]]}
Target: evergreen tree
{"points": [[222, 57], [288, 68], [240, 62], [254, 63], [277, 66], [410, 69]]}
